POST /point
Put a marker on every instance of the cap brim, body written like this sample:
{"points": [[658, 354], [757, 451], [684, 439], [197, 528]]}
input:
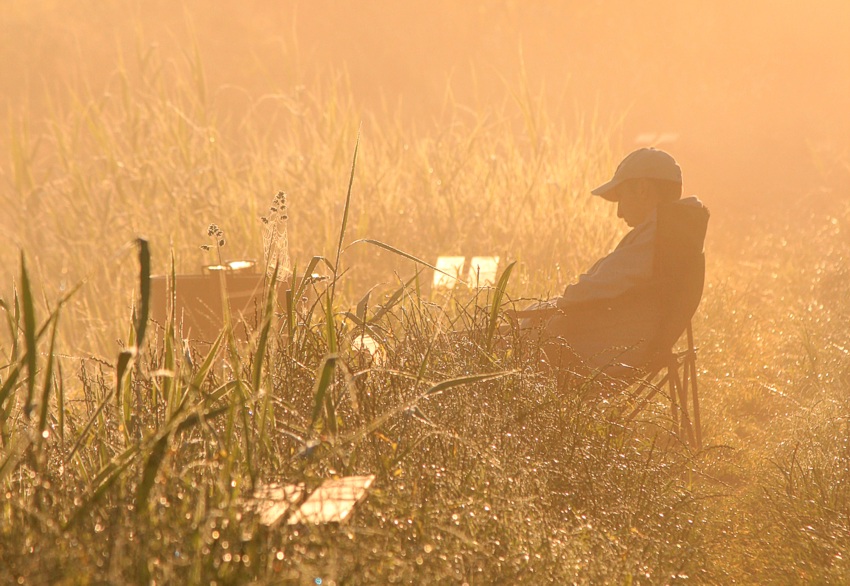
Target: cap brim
{"points": [[606, 190]]}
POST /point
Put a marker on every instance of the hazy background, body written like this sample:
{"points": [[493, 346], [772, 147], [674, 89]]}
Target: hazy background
{"points": [[752, 97]]}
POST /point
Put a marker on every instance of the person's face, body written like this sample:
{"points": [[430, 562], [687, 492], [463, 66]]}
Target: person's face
{"points": [[635, 203]]}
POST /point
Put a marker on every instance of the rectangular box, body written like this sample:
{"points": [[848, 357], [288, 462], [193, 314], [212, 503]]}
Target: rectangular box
{"points": [[199, 308]]}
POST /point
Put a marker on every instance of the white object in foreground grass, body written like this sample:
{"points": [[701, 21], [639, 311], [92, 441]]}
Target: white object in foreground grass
{"points": [[271, 501], [366, 343], [332, 502]]}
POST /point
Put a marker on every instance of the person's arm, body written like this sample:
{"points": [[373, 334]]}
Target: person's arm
{"points": [[628, 265]]}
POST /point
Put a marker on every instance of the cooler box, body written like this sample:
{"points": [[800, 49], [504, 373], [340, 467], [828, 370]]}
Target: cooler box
{"points": [[198, 301]]}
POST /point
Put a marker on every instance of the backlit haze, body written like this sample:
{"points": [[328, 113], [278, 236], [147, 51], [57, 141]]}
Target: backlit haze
{"points": [[751, 97], [484, 125]]}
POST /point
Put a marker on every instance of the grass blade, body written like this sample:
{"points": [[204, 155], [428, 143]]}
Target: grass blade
{"points": [[13, 328], [363, 306], [121, 368], [15, 371], [462, 380], [406, 255], [307, 278], [323, 383], [262, 341], [393, 300], [152, 464], [14, 453], [347, 206], [330, 324], [48, 380], [88, 426], [201, 376], [29, 334], [498, 294], [290, 315], [145, 290], [9, 384]]}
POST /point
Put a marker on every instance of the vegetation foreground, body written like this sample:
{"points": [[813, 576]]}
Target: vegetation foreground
{"points": [[137, 463]]}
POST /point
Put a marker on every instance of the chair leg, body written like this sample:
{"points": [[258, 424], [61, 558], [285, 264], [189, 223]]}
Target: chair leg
{"points": [[686, 419], [684, 393], [643, 402], [673, 387], [691, 366], [677, 388], [684, 399], [690, 371]]}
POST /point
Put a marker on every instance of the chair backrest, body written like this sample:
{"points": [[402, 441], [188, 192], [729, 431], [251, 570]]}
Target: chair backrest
{"points": [[679, 267]]}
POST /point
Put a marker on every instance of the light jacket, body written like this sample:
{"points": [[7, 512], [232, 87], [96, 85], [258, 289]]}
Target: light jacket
{"points": [[627, 266]]}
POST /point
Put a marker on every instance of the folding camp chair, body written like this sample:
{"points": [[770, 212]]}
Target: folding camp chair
{"points": [[679, 267]]}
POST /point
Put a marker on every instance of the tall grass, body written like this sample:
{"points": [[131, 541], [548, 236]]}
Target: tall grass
{"points": [[154, 156], [486, 469]]}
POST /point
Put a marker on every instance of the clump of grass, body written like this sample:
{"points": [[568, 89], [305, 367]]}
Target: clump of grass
{"points": [[482, 475], [806, 500]]}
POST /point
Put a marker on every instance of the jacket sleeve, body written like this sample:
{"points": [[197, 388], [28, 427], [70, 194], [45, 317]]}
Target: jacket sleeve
{"points": [[628, 265]]}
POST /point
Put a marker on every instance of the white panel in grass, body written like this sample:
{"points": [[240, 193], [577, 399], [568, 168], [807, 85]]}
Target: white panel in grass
{"points": [[332, 502], [453, 265], [271, 501], [482, 271]]}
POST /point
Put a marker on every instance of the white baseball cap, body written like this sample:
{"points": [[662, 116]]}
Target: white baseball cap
{"points": [[645, 163]]}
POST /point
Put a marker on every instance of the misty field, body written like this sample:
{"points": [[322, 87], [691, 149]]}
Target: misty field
{"points": [[128, 462]]}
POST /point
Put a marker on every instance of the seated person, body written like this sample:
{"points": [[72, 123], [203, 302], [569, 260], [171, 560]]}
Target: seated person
{"points": [[611, 315]]}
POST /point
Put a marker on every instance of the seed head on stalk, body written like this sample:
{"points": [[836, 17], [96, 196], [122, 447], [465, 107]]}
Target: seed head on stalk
{"points": [[216, 234], [275, 239]]}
